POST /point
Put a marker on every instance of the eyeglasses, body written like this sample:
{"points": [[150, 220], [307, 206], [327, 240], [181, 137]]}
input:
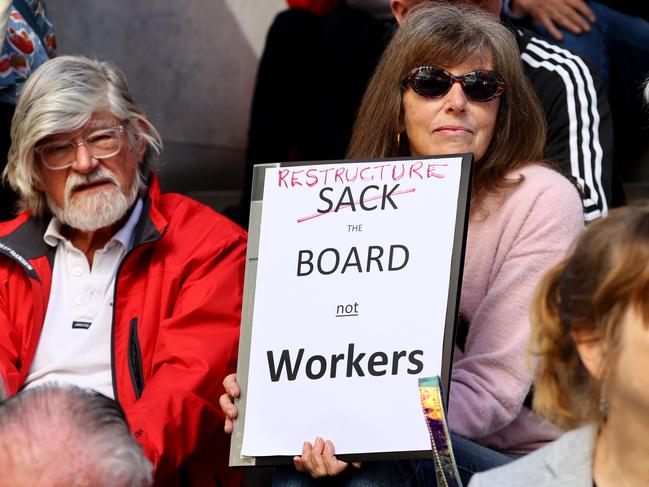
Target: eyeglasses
{"points": [[433, 82], [100, 144]]}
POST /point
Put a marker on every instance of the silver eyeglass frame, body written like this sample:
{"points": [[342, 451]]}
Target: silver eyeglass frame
{"points": [[119, 129]]}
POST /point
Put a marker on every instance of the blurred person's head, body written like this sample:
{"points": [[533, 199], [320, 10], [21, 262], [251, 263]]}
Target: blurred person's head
{"points": [[590, 324], [402, 115], [401, 7], [80, 143], [68, 437]]}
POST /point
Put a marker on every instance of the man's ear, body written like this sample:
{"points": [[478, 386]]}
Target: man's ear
{"points": [[591, 351], [399, 9]]}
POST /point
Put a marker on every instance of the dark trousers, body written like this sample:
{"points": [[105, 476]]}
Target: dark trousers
{"points": [[470, 457]]}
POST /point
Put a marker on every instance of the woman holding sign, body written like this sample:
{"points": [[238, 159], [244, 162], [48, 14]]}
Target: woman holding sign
{"points": [[451, 81]]}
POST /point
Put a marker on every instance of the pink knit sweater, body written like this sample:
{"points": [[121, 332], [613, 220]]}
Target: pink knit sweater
{"points": [[510, 245]]}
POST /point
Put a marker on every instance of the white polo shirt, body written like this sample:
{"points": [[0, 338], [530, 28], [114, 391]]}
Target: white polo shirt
{"points": [[74, 346]]}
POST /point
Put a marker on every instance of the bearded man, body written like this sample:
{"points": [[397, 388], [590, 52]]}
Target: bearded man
{"points": [[107, 284]]}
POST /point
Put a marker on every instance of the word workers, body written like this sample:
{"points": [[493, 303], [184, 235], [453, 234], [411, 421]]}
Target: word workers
{"points": [[318, 366]]}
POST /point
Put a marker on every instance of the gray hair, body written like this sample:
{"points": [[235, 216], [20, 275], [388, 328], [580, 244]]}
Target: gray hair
{"points": [[69, 436], [60, 97]]}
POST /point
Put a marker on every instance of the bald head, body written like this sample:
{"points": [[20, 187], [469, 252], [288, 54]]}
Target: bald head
{"points": [[400, 7], [66, 436]]}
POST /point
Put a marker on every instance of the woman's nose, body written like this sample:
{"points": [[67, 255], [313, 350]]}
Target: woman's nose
{"points": [[456, 98]]}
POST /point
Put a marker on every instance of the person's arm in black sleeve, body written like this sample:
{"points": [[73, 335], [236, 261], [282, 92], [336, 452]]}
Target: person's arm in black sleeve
{"points": [[580, 131]]}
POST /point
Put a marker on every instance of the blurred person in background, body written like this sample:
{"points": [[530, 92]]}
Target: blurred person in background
{"points": [[591, 335], [613, 35], [28, 41]]}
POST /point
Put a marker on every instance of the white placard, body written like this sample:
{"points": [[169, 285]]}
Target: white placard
{"points": [[350, 304]]}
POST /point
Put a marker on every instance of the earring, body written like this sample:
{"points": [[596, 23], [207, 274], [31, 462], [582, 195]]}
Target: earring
{"points": [[603, 403], [398, 139]]}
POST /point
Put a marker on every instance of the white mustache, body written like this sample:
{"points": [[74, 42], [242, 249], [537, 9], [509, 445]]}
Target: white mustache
{"points": [[75, 180]]}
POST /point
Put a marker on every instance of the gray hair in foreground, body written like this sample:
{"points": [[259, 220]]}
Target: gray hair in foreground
{"points": [[52, 435], [60, 97]]}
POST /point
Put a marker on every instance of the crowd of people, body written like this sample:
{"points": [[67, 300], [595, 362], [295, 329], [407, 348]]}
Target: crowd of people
{"points": [[120, 305]]}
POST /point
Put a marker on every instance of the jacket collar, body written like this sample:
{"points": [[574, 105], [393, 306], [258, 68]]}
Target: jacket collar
{"points": [[24, 240], [572, 458], [26, 243], [152, 224]]}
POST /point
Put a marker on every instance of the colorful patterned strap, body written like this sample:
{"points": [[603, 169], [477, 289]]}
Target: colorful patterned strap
{"points": [[430, 394]]}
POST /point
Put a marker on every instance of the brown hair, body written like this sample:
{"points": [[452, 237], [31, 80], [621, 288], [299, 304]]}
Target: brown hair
{"points": [[447, 35], [606, 274]]}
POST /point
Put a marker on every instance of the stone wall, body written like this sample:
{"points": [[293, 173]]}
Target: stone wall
{"points": [[191, 64]]}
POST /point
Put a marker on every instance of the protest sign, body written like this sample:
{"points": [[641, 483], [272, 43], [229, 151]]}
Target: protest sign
{"points": [[352, 285]]}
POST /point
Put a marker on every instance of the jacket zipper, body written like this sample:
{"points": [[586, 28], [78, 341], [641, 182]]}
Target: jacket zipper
{"points": [[135, 360], [112, 331]]}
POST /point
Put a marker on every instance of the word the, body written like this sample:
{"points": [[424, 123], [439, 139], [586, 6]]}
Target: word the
{"points": [[329, 259], [317, 366]]}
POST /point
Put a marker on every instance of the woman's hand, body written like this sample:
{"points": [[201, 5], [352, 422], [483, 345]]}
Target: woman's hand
{"points": [[226, 401], [318, 460]]}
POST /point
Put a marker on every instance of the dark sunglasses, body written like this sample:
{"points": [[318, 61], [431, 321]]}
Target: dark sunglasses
{"points": [[433, 82]]}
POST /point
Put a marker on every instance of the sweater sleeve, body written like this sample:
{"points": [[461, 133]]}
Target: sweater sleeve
{"points": [[491, 378]]}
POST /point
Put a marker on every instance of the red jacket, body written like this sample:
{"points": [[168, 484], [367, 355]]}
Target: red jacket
{"points": [[319, 7], [175, 333]]}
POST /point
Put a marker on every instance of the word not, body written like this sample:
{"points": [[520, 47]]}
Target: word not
{"points": [[349, 173], [347, 310], [346, 198], [329, 259], [317, 366]]}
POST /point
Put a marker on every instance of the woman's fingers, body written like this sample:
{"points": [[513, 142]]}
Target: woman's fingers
{"points": [[318, 468], [226, 401], [319, 460], [227, 406], [332, 464], [231, 385]]}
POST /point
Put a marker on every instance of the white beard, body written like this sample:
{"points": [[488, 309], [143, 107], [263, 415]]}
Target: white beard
{"points": [[100, 208]]}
